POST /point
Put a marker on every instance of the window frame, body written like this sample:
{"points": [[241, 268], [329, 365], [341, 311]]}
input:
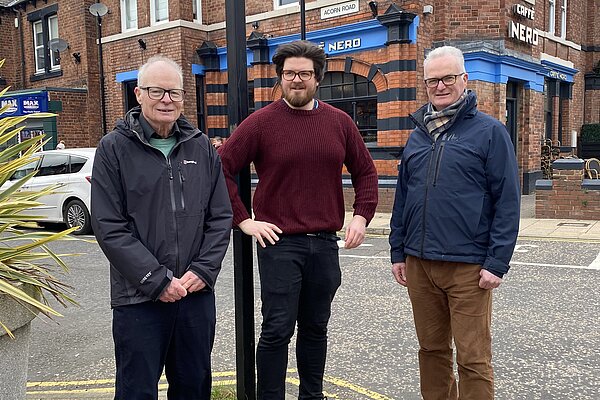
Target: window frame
{"points": [[198, 4], [153, 21], [37, 46], [124, 19], [551, 16], [277, 4], [563, 20], [51, 67]]}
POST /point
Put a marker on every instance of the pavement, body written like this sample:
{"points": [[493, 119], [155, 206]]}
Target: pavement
{"points": [[529, 227]]}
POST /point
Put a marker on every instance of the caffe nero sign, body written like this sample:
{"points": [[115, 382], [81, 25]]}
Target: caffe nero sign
{"points": [[519, 31], [24, 104]]}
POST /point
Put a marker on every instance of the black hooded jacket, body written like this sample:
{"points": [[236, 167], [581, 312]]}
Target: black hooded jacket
{"points": [[157, 217]]}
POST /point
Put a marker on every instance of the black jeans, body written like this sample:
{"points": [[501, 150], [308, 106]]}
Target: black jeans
{"points": [[177, 336], [299, 276]]}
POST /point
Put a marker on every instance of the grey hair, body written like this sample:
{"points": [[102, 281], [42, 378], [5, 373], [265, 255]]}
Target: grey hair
{"points": [[446, 51], [155, 59]]}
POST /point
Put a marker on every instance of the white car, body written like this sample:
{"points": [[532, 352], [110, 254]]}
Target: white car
{"points": [[70, 204]]}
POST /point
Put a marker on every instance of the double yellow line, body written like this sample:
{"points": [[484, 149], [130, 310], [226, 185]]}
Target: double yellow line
{"points": [[106, 386]]}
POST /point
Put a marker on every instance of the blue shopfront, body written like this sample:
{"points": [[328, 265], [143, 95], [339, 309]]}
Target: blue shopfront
{"points": [[35, 104]]}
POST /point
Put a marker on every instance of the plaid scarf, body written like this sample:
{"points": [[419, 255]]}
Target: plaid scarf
{"points": [[437, 122]]}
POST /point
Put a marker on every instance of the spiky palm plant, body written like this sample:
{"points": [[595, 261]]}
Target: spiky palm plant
{"points": [[27, 265]]}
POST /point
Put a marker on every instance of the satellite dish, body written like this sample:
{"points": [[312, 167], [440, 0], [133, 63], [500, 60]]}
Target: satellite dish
{"points": [[58, 44], [98, 9]]}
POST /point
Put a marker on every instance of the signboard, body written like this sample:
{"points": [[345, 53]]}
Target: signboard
{"points": [[24, 104], [337, 10], [520, 32]]}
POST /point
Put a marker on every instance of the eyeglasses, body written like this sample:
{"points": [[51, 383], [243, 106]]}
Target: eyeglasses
{"points": [[291, 75], [447, 80], [157, 93]]}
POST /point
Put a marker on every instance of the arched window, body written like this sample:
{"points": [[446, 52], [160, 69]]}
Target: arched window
{"points": [[356, 96]]}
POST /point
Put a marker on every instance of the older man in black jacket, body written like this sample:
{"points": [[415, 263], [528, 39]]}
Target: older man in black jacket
{"points": [[162, 216]]}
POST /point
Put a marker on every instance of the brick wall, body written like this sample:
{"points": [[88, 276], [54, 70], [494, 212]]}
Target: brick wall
{"points": [[567, 198]]}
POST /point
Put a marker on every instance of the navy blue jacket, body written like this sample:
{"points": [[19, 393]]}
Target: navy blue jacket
{"points": [[458, 199]]}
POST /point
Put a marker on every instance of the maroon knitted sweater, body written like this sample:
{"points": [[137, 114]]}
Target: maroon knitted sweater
{"points": [[298, 156]]}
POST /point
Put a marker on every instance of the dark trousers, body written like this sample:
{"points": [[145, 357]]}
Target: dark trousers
{"points": [[299, 276], [177, 336]]}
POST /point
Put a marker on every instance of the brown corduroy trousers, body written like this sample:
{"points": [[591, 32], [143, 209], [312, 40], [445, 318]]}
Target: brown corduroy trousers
{"points": [[449, 304]]}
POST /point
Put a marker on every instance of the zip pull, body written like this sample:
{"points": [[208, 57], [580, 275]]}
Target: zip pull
{"points": [[170, 171], [181, 173], [433, 146]]}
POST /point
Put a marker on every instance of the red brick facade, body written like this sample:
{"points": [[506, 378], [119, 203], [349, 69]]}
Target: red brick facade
{"points": [[479, 27]]}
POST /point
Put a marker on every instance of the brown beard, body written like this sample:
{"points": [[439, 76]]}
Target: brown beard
{"points": [[299, 101]]}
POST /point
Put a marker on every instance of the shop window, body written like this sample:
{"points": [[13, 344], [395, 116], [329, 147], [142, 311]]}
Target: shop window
{"points": [[551, 16], [159, 11], [43, 31], [197, 10], [128, 15], [357, 97]]}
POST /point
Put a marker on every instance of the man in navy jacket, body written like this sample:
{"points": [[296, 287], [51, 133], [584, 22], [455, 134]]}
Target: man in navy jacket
{"points": [[454, 228]]}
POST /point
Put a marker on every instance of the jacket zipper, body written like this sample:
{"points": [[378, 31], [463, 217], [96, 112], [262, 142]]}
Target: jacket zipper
{"points": [[173, 206], [438, 162], [181, 180], [425, 200]]}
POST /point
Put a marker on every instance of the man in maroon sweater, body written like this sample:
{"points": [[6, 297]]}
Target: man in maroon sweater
{"points": [[298, 146]]}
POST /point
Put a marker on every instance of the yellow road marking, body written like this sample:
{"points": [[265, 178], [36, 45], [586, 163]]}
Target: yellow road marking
{"points": [[163, 386]]}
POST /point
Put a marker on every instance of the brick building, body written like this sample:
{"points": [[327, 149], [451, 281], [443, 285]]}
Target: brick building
{"points": [[533, 63]]}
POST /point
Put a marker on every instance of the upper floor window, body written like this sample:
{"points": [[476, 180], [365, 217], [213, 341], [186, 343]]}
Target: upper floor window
{"points": [[563, 19], [551, 16], [159, 11], [197, 11], [128, 15], [285, 3], [44, 30]]}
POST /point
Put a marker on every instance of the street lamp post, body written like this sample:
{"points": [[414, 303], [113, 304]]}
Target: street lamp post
{"points": [[99, 10]]}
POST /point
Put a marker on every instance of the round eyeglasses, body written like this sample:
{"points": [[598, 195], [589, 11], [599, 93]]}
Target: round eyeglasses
{"points": [[157, 93], [291, 75], [447, 80]]}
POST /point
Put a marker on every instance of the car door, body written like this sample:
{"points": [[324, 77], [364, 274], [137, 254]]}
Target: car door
{"points": [[53, 169]]}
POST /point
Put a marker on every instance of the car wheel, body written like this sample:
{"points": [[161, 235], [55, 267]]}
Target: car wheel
{"points": [[76, 214]]}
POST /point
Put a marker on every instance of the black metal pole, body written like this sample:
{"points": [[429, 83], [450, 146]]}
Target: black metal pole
{"points": [[302, 20], [101, 71], [237, 106]]}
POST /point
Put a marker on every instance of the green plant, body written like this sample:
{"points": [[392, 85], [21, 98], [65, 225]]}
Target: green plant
{"points": [[590, 133], [25, 258], [223, 393]]}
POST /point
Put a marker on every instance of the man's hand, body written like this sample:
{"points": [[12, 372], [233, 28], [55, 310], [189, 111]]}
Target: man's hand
{"points": [[488, 280], [191, 282], [175, 291], [355, 232], [399, 271], [260, 230]]}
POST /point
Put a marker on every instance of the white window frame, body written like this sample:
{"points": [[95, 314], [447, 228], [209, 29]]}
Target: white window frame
{"points": [[37, 46], [52, 35], [198, 6], [277, 4], [551, 16], [124, 19], [563, 20], [153, 21]]}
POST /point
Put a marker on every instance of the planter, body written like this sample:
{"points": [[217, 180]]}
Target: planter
{"points": [[14, 353]]}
